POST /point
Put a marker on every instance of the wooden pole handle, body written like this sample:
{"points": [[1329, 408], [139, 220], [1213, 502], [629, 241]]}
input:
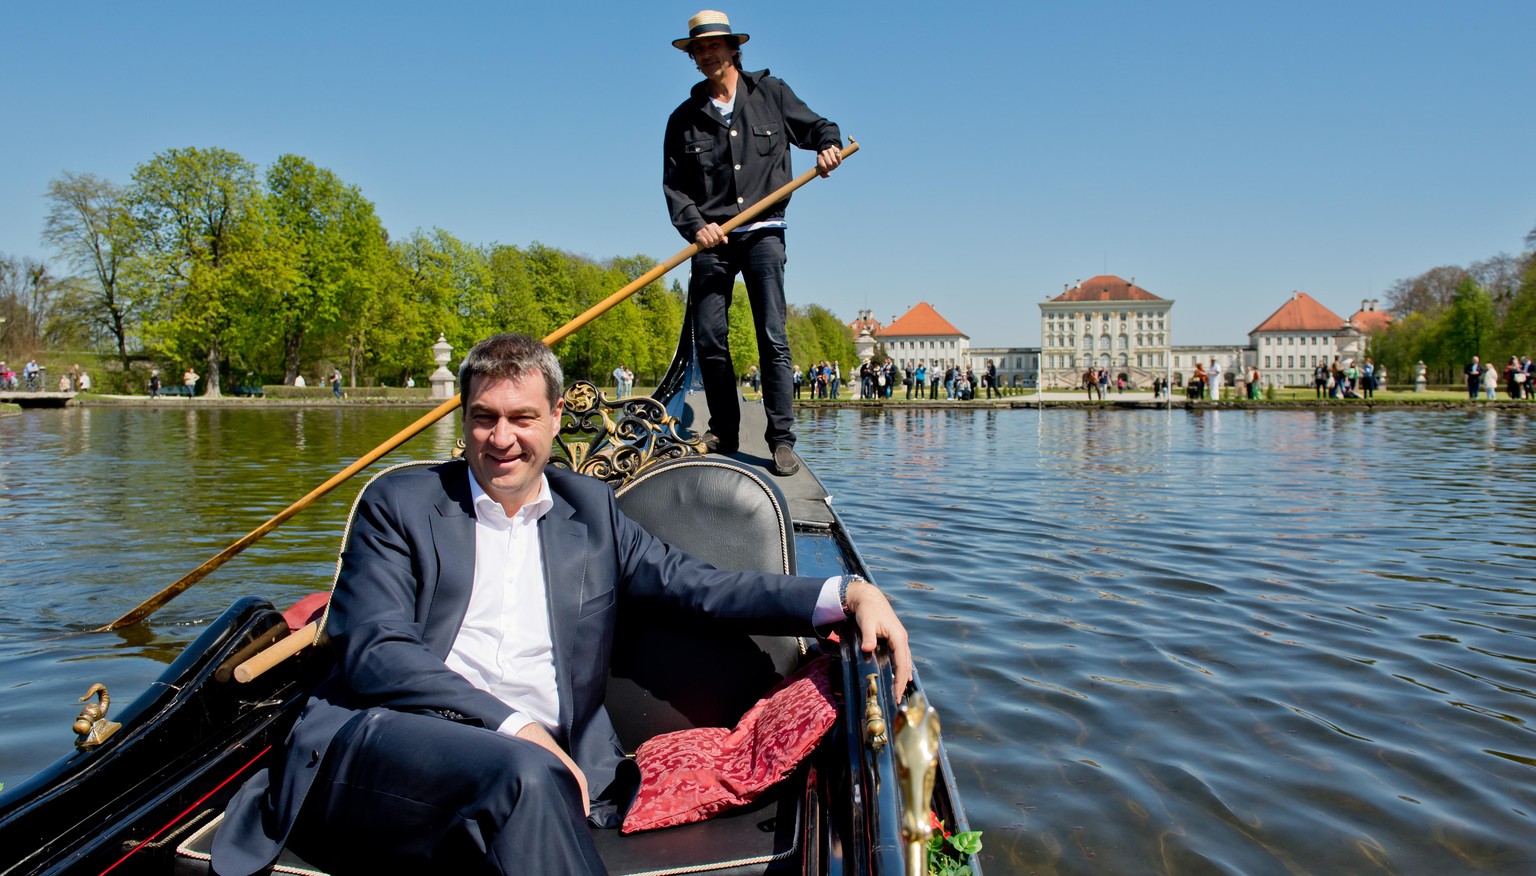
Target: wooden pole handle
{"points": [[180, 585], [277, 652]]}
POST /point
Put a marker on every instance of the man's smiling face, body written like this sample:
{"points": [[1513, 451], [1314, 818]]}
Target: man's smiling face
{"points": [[509, 429], [712, 55]]}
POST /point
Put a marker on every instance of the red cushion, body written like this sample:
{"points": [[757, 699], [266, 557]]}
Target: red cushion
{"points": [[310, 608], [690, 775]]}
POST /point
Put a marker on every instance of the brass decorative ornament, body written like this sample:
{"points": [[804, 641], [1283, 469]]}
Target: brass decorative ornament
{"points": [[615, 440], [92, 725], [917, 763], [874, 719]]}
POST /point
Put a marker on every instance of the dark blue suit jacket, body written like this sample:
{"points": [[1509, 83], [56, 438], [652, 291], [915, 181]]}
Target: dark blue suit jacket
{"points": [[401, 592]]}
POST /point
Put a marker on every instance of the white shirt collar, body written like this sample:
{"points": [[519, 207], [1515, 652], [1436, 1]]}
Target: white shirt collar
{"points": [[490, 512]]}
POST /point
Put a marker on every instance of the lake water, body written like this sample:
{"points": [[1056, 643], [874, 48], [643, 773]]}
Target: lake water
{"points": [[1239, 642]]}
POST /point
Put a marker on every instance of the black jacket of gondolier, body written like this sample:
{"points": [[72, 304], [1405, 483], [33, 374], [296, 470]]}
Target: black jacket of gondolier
{"points": [[713, 171]]}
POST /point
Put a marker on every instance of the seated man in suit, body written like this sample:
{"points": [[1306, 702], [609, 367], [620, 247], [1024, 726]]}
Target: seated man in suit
{"points": [[463, 727]]}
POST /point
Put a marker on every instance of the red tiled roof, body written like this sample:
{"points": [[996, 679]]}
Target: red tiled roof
{"points": [[1301, 313], [1106, 287], [1370, 321], [865, 322], [921, 321]]}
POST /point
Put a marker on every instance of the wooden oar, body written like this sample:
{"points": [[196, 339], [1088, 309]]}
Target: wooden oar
{"points": [[174, 589]]}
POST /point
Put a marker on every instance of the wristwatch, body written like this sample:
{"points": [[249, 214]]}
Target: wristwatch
{"points": [[842, 592]]}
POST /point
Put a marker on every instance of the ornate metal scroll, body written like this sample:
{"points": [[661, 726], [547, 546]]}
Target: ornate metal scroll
{"points": [[615, 440], [92, 725], [917, 763]]}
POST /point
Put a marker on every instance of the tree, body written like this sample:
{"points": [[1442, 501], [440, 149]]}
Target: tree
{"points": [[30, 299], [742, 330], [339, 252], [662, 312], [446, 289], [198, 217], [833, 338], [1469, 323], [1500, 277], [1412, 339], [1517, 331], [89, 224], [1429, 292]]}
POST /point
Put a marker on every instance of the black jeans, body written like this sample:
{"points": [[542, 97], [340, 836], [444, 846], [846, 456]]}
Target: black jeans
{"points": [[758, 256]]}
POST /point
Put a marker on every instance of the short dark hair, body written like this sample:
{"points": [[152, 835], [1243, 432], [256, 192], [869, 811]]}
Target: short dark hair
{"points": [[513, 357]]}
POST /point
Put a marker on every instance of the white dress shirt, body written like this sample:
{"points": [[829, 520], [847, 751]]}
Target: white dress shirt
{"points": [[504, 646]]}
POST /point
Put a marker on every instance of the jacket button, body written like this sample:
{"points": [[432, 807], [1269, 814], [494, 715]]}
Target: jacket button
{"points": [[741, 200], [738, 167], [733, 133]]}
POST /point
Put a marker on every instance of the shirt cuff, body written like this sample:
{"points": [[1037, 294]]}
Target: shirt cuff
{"points": [[829, 608], [515, 722]]}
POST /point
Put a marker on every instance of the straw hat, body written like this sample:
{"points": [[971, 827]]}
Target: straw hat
{"points": [[709, 23]]}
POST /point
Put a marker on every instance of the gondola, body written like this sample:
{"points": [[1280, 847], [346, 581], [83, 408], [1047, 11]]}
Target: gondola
{"points": [[143, 791]]}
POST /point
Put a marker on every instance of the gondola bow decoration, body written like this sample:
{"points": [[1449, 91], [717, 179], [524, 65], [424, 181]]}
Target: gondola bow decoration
{"points": [[613, 440]]}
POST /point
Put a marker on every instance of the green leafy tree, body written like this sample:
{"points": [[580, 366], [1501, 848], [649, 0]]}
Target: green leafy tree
{"points": [[1414, 338], [339, 252], [1469, 322], [447, 291], [198, 217], [662, 311], [742, 331], [833, 336], [514, 302], [88, 223]]}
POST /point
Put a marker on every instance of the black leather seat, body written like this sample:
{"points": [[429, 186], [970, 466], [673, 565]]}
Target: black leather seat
{"points": [[672, 674]]}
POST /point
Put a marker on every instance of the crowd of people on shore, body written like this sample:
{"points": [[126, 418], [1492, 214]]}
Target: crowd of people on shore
{"points": [[877, 380], [1347, 378], [34, 378], [1517, 375]]}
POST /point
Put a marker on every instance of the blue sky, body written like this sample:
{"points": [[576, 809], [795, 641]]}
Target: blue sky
{"points": [[1223, 154]]}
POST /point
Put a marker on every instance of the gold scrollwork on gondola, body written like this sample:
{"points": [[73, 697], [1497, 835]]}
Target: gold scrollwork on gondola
{"points": [[613, 440]]}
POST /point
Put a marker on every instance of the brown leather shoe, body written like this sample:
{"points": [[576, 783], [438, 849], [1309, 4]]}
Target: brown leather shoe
{"points": [[785, 462]]}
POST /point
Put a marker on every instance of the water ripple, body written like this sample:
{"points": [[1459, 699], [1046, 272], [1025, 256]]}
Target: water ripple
{"points": [[1162, 642], [1224, 642]]}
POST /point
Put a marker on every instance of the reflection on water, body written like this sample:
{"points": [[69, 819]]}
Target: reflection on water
{"points": [[1215, 642], [1162, 642], [102, 507]]}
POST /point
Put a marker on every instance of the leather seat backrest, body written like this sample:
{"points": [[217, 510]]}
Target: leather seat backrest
{"points": [[670, 673]]}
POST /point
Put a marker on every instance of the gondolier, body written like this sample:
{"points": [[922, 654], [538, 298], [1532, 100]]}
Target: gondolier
{"points": [[726, 147]]}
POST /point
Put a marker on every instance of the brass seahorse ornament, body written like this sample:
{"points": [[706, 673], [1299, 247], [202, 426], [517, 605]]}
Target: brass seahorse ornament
{"points": [[92, 725]]}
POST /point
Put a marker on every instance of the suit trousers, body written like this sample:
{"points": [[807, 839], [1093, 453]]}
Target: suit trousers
{"points": [[400, 792], [758, 256]]}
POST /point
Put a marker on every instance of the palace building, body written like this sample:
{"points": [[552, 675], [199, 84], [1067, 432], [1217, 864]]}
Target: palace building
{"points": [[1105, 322], [921, 335], [1298, 336], [1111, 323]]}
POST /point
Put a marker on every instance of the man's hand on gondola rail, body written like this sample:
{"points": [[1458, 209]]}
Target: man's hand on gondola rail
{"points": [[877, 620]]}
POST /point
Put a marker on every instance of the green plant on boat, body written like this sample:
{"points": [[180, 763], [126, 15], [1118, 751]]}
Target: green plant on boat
{"points": [[947, 852]]}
